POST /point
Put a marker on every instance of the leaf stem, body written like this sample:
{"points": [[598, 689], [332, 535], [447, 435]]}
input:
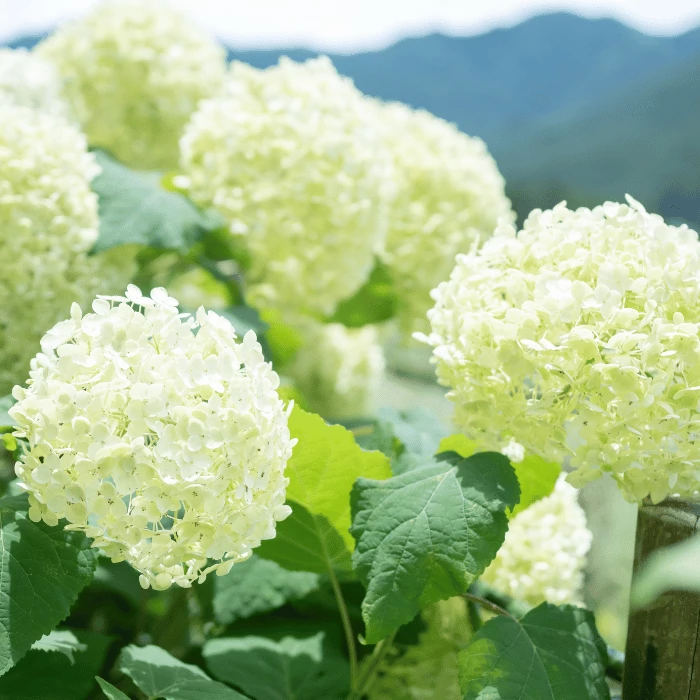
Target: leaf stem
{"points": [[490, 606], [368, 672], [347, 625]]}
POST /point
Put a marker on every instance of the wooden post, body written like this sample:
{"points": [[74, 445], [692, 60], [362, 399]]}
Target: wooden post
{"points": [[662, 659]]}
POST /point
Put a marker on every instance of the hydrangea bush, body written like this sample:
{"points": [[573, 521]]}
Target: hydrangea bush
{"points": [[449, 197], [290, 156], [339, 369], [134, 73], [172, 440], [27, 80], [544, 553], [365, 551], [580, 333], [48, 225]]}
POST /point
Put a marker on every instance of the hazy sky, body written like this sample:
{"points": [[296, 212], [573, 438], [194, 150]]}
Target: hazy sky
{"points": [[353, 24]]}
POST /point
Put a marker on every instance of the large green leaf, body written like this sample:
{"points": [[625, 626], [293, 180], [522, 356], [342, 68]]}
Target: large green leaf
{"points": [[258, 586], [160, 675], [110, 691], [63, 641], [674, 568], [426, 535], [323, 467], [42, 676], [536, 477], [134, 208], [553, 653], [291, 668], [374, 302], [307, 542], [42, 570]]}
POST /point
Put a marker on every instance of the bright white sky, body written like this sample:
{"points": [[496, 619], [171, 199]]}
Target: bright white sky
{"points": [[356, 24]]}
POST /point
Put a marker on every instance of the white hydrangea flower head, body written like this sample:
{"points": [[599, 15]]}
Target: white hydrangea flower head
{"points": [[158, 434], [27, 80], [544, 553], [48, 224], [291, 157], [579, 338], [339, 370], [135, 72], [449, 196]]}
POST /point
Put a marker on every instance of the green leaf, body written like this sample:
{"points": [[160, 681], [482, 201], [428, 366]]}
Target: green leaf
{"points": [[419, 431], [42, 571], [62, 641], [674, 568], [323, 467], [292, 667], [374, 434], [110, 691], [553, 653], [307, 542], [244, 319], [536, 477], [374, 302], [6, 423], [120, 578], [426, 535], [160, 675], [134, 208], [42, 676], [258, 586]]}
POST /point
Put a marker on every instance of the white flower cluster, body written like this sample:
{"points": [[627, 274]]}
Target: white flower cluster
{"points": [[134, 73], [48, 223], [580, 338], [28, 80], [291, 157], [449, 196], [339, 369], [544, 553], [157, 434]]}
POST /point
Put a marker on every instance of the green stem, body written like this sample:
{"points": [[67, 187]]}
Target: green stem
{"points": [[347, 625], [490, 606], [368, 673]]}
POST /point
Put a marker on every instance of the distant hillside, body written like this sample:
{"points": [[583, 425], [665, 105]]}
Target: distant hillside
{"points": [[645, 140], [572, 108], [505, 78]]}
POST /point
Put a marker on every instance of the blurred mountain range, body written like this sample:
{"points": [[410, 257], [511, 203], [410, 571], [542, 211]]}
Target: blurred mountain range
{"points": [[572, 108]]}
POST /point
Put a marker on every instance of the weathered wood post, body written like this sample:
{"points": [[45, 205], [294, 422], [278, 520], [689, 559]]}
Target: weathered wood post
{"points": [[662, 658]]}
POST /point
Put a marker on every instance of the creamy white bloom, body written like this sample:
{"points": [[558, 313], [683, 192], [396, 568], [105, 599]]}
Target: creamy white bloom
{"points": [[48, 224], [449, 196], [544, 553], [27, 80], [579, 338], [291, 157], [156, 433], [135, 72], [338, 369]]}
